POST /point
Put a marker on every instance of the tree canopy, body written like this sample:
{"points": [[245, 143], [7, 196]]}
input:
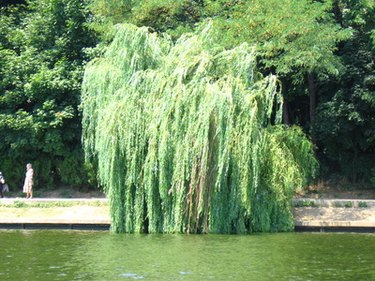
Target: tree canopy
{"points": [[186, 138], [42, 56]]}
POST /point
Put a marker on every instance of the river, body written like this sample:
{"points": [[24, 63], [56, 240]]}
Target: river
{"points": [[100, 255]]}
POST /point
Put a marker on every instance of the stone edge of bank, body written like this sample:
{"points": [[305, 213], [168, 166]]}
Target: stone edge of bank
{"points": [[336, 222], [317, 224]]}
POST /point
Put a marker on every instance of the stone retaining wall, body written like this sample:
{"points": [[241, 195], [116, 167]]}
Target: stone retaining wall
{"points": [[310, 214], [334, 214]]}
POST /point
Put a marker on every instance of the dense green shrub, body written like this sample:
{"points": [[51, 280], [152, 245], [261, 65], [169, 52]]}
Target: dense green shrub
{"points": [[42, 56]]}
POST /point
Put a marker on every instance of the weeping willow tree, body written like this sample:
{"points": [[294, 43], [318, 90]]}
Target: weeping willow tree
{"points": [[187, 136]]}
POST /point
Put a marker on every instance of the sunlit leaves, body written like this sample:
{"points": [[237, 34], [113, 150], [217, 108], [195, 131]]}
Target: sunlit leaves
{"points": [[186, 136]]}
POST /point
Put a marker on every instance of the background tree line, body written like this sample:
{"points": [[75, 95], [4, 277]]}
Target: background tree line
{"points": [[322, 51]]}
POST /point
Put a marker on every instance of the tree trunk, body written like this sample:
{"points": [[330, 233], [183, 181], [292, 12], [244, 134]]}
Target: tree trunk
{"points": [[312, 94], [286, 119], [337, 11], [355, 161]]}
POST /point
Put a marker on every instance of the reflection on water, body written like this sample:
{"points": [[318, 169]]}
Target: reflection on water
{"points": [[73, 255]]}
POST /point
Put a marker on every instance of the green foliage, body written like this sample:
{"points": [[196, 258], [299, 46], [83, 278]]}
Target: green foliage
{"points": [[305, 203], [346, 204], [185, 139], [41, 67], [73, 171], [174, 17], [338, 204], [51, 204], [19, 204], [44, 45], [345, 126], [362, 204], [372, 177], [333, 41], [293, 37]]}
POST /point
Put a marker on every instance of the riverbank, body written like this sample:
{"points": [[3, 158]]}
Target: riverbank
{"points": [[54, 213], [310, 214], [334, 214]]}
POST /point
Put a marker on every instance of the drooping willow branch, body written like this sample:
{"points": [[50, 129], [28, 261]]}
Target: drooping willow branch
{"points": [[187, 136]]}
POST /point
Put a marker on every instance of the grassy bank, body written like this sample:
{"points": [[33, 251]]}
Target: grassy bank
{"points": [[54, 211], [35, 203]]}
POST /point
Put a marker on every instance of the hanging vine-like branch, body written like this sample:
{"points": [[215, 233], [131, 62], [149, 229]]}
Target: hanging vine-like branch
{"points": [[187, 136]]}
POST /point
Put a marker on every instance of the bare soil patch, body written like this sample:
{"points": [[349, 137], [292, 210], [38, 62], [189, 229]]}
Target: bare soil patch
{"points": [[337, 190]]}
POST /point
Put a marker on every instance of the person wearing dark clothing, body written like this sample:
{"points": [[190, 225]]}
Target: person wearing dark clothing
{"points": [[2, 183]]}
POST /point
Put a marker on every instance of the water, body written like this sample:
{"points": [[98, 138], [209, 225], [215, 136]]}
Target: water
{"points": [[74, 255]]}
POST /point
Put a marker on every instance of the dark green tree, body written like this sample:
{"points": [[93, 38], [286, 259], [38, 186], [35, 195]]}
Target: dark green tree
{"points": [[346, 114], [173, 17], [42, 56]]}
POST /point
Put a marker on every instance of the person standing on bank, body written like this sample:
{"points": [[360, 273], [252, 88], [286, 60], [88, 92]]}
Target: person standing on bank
{"points": [[28, 185], [2, 183]]}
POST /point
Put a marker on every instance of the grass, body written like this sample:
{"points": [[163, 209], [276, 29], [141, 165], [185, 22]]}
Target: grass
{"points": [[52, 204], [305, 203], [19, 204], [348, 204]]}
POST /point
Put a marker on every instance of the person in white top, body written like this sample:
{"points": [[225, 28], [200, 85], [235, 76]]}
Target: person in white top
{"points": [[28, 185]]}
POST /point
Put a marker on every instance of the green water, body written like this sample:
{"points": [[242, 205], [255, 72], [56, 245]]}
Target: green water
{"points": [[74, 255]]}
